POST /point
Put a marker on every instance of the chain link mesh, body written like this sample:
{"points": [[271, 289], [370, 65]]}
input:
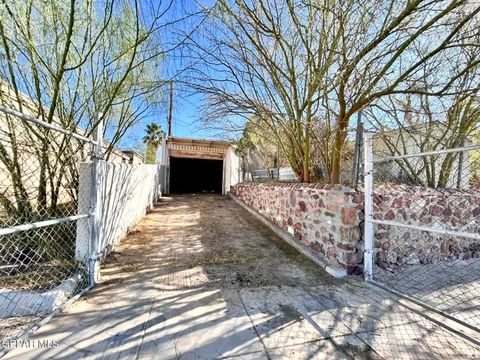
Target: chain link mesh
{"points": [[427, 244], [38, 182]]}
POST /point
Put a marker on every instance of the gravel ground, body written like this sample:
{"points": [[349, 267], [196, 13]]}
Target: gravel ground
{"points": [[211, 249], [201, 278]]}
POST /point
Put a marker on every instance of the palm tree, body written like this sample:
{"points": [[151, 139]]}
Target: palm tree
{"points": [[152, 138]]}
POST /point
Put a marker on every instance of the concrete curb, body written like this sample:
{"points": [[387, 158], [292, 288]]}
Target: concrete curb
{"points": [[335, 271], [25, 302]]}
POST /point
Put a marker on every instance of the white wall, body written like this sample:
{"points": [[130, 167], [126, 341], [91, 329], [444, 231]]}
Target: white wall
{"points": [[127, 193], [231, 170], [165, 163], [287, 174]]}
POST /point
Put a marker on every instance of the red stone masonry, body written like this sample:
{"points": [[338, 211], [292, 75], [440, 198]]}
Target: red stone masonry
{"points": [[326, 218], [442, 209]]}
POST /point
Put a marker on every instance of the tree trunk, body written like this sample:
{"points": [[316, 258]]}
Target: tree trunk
{"points": [[337, 149], [151, 154]]}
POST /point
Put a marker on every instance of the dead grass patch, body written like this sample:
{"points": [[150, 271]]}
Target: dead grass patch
{"points": [[220, 259], [131, 267], [38, 277]]}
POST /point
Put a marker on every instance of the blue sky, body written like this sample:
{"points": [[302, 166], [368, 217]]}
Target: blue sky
{"points": [[186, 107], [185, 123], [185, 118]]}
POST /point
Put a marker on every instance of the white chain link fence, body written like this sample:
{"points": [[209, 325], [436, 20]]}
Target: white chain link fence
{"points": [[422, 225], [38, 213], [61, 210]]}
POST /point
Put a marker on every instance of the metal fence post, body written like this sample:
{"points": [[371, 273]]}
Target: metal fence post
{"points": [[368, 225], [278, 162], [96, 204], [357, 154]]}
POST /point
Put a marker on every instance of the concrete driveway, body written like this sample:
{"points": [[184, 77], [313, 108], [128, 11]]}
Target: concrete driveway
{"points": [[201, 278]]}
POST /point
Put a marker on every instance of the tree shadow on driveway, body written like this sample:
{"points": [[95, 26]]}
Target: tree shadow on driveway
{"points": [[200, 278]]}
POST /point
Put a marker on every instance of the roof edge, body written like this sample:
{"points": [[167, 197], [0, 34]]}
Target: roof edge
{"points": [[186, 140]]}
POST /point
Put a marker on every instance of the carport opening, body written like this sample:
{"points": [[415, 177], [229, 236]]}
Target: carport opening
{"points": [[195, 175]]}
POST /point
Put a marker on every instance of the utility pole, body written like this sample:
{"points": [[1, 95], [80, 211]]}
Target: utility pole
{"points": [[170, 110]]}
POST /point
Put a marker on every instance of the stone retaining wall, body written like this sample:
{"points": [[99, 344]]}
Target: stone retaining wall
{"points": [[442, 209], [326, 218]]}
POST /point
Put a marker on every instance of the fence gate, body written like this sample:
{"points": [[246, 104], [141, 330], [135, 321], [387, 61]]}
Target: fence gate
{"points": [[422, 226], [38, 220]]}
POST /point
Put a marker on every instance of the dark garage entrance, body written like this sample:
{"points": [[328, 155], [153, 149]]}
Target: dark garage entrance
{"points": [[188, 175]]}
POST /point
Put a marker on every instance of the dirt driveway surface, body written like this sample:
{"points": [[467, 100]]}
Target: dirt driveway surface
{"points": [[201, 278]]}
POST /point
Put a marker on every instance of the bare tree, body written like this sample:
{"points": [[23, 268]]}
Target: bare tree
{"points": [[73, 59], [288, 62], [419, 123], [258, 148]]}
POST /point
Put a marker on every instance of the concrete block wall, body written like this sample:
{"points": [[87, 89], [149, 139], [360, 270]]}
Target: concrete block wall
{"points": [[325, 218], [127, 193]]}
